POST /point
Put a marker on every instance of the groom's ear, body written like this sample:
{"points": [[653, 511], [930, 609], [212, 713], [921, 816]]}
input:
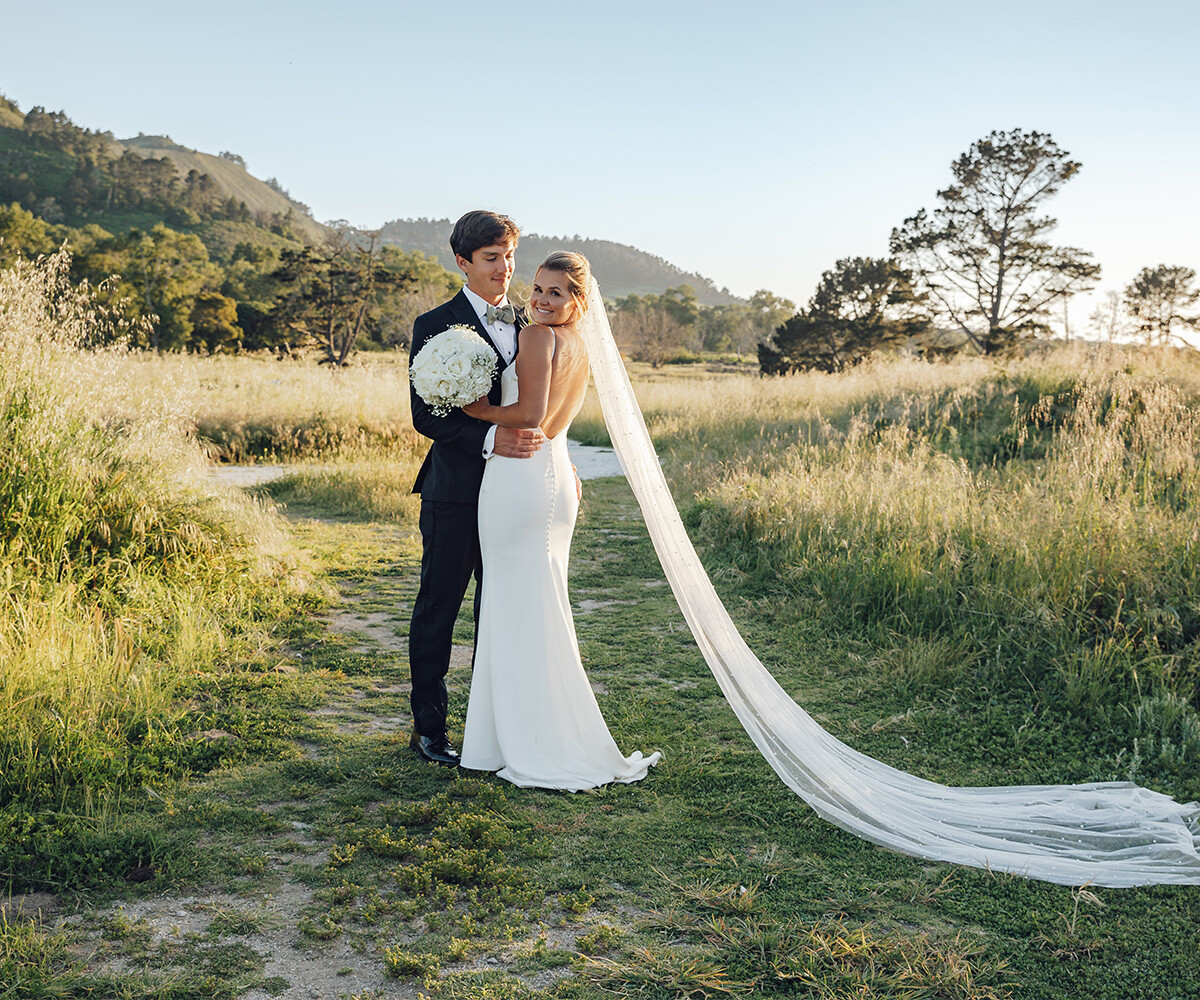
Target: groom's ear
{"points": [[462, 262]]}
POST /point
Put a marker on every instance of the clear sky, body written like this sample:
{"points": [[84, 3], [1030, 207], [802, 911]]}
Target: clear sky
{"points": [[754, 142]]}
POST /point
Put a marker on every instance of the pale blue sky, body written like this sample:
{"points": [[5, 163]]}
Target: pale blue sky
{"points": [[753, 142]]}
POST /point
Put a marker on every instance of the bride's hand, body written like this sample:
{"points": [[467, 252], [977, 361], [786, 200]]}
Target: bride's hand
{"points": [[478, 409]]}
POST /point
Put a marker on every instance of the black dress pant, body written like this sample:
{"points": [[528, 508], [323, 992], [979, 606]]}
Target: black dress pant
{"points": [[450, 556]]}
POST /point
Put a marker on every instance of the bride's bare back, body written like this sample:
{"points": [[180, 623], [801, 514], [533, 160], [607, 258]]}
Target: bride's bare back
{"points": [[552, 378], [568, 381]]}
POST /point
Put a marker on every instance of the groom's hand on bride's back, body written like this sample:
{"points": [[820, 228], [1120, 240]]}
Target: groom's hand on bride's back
{"points": [[517, 442]]}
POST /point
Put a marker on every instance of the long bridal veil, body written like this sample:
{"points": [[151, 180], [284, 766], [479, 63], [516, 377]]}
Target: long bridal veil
{"points": [[1108, 833]]}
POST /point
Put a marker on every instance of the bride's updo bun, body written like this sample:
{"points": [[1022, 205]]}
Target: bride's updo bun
{"points": [[579, 276]]}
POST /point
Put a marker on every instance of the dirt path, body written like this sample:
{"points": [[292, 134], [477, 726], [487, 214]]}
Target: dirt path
{"points": [[275, 928], [270, 929]]}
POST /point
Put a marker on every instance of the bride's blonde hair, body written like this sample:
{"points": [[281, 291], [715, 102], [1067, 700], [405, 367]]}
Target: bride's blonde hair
{"points": [[579, 276]]}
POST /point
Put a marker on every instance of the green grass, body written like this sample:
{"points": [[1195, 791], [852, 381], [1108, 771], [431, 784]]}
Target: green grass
{"points": [[141, 601], [900, 546], [710, 875], [714, 876], [1065, 580]]}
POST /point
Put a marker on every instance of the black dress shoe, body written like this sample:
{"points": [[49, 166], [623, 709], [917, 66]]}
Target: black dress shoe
{"points": [[436, 750]]}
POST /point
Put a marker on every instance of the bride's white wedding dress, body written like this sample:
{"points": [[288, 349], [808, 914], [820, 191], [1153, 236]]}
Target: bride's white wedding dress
{"points": [[532, 715]]}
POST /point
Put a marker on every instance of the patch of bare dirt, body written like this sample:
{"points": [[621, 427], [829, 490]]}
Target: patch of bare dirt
{"points": [[314, 970], [40, 907], [587, 606], [377, 626]]}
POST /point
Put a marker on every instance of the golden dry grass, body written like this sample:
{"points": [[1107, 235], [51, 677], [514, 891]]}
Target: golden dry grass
{"points": [[125, 563], [246, 408]]}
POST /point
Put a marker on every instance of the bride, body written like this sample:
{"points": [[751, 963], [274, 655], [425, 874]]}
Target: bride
{"points": [[532, 715]]}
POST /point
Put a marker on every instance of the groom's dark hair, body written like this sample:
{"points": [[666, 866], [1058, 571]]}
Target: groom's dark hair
{"points": [[482, 229]]}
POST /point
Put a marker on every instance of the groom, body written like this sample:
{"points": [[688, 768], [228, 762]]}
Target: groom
{"points": [[484, 245]]}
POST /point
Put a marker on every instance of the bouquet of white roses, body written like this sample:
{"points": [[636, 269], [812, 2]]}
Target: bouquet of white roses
{"points": [[454, 367]]}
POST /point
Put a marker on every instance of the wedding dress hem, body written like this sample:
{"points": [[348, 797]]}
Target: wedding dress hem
{"points": [[640, 765]]}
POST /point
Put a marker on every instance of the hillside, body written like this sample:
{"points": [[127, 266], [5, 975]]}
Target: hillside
{"points": [[230, 174], [67, 174], [620, 269]]}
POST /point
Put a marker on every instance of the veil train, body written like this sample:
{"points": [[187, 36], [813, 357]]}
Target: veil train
{"points": [[1106, 833]]}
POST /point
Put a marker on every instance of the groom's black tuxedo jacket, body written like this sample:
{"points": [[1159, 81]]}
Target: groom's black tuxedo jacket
{"points": [[453, 469]]}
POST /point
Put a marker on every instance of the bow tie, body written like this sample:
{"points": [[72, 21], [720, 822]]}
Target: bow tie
{"points": [[506, 313]]}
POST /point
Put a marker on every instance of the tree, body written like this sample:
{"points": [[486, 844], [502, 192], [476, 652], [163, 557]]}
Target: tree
{"points": [[23, 234], [331, 293], [249, 275], [860, 306], [1107, 320], [801, 343], [767, 312], [982, 255], [214, 319], [420, 283], [1157, 300], [647, 330], [655, 327], [722, 328], [163, 270], [682, 306]]}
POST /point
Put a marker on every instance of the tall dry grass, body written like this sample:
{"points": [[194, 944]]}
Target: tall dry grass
{"points": [[248, 408], [1037, 515], [125, 565], [701, 420]]}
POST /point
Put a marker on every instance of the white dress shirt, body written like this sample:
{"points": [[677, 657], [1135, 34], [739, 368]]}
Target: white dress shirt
{"points": [[504, 335]]}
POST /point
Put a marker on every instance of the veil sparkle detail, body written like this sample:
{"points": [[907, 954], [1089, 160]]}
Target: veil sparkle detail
{"points": [[1106, 833]]}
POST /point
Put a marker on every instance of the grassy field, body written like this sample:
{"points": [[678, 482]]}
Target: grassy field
{"points": [[982, 572], [142, 598], [248, 409]]}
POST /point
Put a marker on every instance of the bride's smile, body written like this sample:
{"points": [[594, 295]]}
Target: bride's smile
{"points": [[551, 303]]}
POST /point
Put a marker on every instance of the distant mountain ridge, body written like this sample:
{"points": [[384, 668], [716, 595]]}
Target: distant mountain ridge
{"points": [[621, 270], [49, 165]]}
